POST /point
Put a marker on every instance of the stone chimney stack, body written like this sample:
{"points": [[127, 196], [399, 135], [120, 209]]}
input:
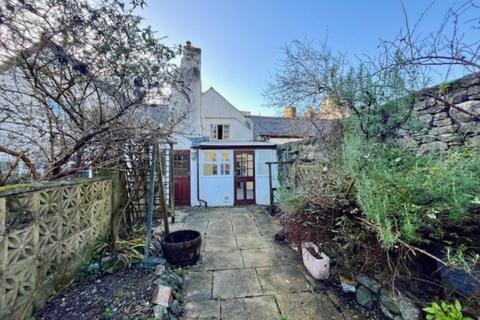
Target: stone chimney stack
{"points": [[290, 112], [190, 74]]}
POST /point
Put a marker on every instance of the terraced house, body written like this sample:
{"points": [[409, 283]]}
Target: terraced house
{"points": [[220, 154]]}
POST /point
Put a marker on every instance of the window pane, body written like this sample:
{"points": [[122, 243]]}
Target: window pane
{"points": [[213, 129], [249, 187], [210, 156], [239, 190], [226, 131], [225, 156], [225, 169], [209, 169]]}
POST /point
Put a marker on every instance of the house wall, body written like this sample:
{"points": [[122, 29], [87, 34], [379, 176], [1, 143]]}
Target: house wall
{"points": [[219, 190], [216, 190], [217, 110], [262, 192]]}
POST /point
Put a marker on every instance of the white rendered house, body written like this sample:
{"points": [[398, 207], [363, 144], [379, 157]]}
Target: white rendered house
{"points": [[217, 161], [221, 154]]}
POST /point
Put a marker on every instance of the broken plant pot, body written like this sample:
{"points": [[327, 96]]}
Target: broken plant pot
{"points": [[316, 262], [182, 248]]}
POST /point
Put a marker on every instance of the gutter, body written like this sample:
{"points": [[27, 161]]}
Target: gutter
{"points": [[198, 180]]}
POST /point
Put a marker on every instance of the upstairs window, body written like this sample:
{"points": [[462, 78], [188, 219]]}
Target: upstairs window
{"points": [[220, 131]]}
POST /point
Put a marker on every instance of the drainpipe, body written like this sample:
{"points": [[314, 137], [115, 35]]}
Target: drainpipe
{"points": [[198, 180]]}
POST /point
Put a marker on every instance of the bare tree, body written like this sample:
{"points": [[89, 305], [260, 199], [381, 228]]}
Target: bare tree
{"points": [[79, 84]]}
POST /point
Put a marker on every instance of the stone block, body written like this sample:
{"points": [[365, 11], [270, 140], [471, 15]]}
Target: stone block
{"points": [[473, 142], [160, 312], [368, 282], [469, 127], [408, 310], [442, 130], [442, 122], [432, 147], [449, 137], [364, 296], [473, 90], [425, 118], [472, 107], [163, 296]]}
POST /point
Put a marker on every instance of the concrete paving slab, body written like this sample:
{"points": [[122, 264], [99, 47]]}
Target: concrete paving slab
{"points": [[264, 257], [307, 306], [202, 310], [286, 278], [256, 308], [220, 243], [251, 242], [198, 286], [246, 229], [241, 283], [223, 259]]}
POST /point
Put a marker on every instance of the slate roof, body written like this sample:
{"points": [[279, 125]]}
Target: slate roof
{"points": [[291, 128]]}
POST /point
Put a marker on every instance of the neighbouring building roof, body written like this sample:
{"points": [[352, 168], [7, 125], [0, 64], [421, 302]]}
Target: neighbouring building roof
{"points": [[290, 128]]}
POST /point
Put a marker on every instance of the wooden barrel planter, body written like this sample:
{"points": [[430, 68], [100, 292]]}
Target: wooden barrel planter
{"points": [[182, 248]]}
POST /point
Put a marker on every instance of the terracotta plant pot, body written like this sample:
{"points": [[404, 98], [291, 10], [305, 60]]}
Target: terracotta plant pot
{"points": [[317, 264]]}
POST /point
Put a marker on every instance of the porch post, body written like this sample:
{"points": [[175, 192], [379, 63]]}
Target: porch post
{"points": [[151, 193], [172, 183], [270, 186]]}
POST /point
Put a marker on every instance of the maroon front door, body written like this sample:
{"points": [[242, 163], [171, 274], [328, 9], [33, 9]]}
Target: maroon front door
{"points": [[181, 167], [244, 180]]}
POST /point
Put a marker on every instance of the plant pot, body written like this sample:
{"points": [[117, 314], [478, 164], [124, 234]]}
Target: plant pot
{"points": [[182, 248], [318, 265]]}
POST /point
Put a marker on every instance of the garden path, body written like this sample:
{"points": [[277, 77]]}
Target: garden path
{"points": [[243, 274]]}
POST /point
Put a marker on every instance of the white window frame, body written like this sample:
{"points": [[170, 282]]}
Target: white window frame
{"points": [[225, 131], [220, 164]]}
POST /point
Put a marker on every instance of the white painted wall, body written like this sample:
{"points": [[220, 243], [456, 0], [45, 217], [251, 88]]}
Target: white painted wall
{"points": [[216, 190], [217, 110], [219, 190], [262, 192]]}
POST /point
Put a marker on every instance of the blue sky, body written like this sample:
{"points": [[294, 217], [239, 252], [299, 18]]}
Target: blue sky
{"points": [[241, 40]]}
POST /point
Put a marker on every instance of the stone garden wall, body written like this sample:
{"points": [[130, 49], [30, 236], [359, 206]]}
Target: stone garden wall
{"points": [[445, 127], [45, 235]]}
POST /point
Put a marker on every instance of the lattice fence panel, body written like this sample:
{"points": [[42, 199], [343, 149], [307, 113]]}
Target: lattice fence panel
{"points": [[46, 231]]}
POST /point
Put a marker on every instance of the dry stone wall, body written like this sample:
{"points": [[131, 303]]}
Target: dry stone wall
{"points": [[444, 126], [44, 235]]}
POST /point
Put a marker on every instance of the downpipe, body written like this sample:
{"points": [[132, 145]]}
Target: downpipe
{"points": [[205, 203]]}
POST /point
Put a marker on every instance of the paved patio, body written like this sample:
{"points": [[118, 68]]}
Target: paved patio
{"points": [[244, 274]]}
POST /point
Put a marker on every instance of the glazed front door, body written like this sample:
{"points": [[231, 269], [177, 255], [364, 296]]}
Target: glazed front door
{"points": [[181, 167], [244, 180]]}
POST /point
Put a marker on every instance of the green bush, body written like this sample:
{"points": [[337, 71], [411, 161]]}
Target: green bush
{"points": [[413, 198], [445, 311]]}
